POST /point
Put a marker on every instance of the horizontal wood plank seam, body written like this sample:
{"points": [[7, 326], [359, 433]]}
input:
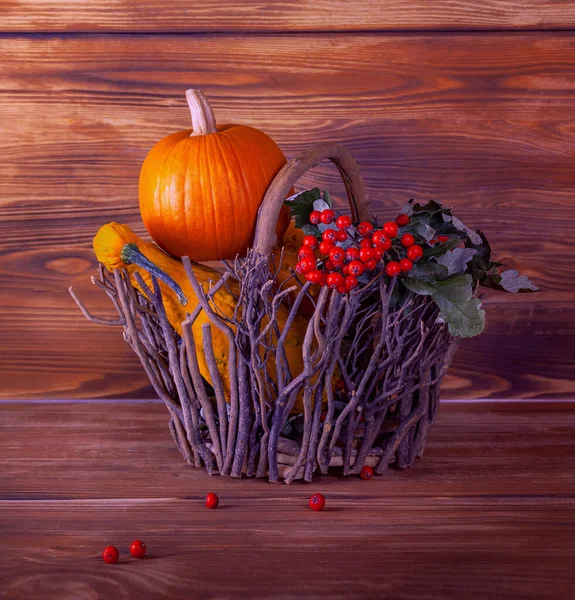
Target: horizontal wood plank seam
{"points": [[285, 32], [351, 496]]}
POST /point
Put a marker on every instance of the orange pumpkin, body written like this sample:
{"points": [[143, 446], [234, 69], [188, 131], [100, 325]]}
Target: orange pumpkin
{"points": [[200, 189]]}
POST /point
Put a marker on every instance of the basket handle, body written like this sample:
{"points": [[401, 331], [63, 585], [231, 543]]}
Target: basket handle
{"points": [[268, 213]]}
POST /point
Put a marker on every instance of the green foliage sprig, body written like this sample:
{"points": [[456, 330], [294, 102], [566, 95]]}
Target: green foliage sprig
{"points": [[456, 260]]}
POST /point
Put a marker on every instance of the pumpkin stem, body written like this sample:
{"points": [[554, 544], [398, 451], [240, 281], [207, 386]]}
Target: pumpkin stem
{"points": [[132, 255], [203, 120]]}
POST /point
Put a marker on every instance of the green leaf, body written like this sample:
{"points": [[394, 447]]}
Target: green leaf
{"points": [[310, 229], [462, 313], [512, 282], [301, 206], [422, 288], [429, 271], [509, 281], [431, 207], [481, 262], [442, 248], [454, 297], [460, 226], [456, 260], [421, 229]]}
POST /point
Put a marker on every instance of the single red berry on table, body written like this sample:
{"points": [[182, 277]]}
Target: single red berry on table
{"points": [[366, 472], [138, 549], [365, 243], [379, 238], [317, 502], [377, 253], [364, 227], [370, 264], [329, 236], [405, 264], [325, 247], [345, 269], [329, 265], [351, 254], [337, 254], [327, 216], [343, 222], [351, 282], [334, 280], [341, 236], [212, 500], [442, 238], [305, 252], [110, 555], [365, 254], [407, 240], [402, 220], [310, 241], [315, 217], [298, 267], [392, 268], [356, 268], [390, 229], [414, 252], [307, 264], [315, 276]]}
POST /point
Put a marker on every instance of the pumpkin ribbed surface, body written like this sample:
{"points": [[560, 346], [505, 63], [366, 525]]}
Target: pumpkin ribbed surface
{"points": [[199, 195]]}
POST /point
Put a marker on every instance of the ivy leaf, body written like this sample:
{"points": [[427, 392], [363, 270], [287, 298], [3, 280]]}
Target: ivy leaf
{"points": [[460, 226], [509, 281], [456, 260], [429, 271], [462, 313], [301, 206]]}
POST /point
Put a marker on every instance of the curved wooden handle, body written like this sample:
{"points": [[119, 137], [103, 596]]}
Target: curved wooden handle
{"points": [[265, 236]]}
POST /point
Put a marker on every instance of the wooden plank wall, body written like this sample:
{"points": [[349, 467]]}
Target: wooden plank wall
{"points": [[471, 103]]}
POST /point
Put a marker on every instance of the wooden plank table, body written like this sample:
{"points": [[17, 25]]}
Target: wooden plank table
{"points": [[488, 513]]}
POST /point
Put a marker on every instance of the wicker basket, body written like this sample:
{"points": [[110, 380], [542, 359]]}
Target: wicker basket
{"points": [[391, 361]]}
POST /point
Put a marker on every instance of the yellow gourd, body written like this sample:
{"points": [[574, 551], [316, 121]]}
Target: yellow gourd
{"points": [[117, 246]]}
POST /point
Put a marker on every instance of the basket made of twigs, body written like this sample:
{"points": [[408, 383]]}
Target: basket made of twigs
{"points": [[391, 359]]}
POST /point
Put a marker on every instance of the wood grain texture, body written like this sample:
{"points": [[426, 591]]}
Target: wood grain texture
{"points": [[281, 15], [123, 449], [488, 513], [483, 122]]}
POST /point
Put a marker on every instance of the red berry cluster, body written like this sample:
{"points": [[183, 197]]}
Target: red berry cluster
{"points": [[339, 269]]}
